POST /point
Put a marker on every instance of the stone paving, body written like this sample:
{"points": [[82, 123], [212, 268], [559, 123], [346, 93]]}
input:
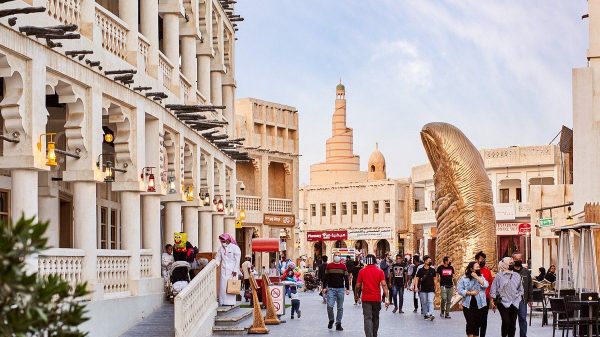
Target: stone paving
{"points": [[314, 322]]}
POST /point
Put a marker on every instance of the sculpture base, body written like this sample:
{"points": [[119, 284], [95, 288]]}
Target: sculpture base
{"points": [[258, 331], [272, 321]]}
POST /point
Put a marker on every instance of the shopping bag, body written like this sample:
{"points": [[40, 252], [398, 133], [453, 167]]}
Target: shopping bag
{"points": [[234, 286], [456, 299]]}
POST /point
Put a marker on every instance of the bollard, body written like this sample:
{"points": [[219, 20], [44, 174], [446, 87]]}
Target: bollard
{"points": [[258, 325], [271, 316]]}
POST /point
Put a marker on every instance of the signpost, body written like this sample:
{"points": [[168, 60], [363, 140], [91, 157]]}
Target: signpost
{"points": [[546, 222], [278, 295]]}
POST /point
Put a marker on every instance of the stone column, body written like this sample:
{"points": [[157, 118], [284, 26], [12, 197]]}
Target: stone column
{"points": [[131, 234], [218, 228], [171, 38], [24, 194], [149, 28], [203, 68], [216, 86], [228, 101], [84, 228], [190, 224], [128, 12], [188, 59], [172, 220], [230, 225], [151, 232], [48, 211], [205, 244]]}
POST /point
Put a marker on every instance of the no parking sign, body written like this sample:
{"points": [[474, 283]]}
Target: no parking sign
{"points": [[278, 295]]}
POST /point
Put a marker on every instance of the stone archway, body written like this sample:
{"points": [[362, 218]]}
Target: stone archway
{"points": [[383, 247], [319, 249], [361, 246], [340, 244]]}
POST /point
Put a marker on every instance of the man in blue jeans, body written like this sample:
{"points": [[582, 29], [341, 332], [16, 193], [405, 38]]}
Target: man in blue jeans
{"points": [[527, 283], [335, 284], [425, 283], [396, 280]]}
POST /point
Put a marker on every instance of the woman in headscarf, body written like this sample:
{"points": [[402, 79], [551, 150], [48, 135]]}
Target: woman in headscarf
{"points": [[507, 293], [228, 257]]}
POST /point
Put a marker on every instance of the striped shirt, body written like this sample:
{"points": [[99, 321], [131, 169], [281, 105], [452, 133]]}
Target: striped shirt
{"points": [[508, 286], [336, 276]]}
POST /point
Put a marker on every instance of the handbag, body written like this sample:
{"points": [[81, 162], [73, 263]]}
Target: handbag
{"points": [[234, 286], [456, 299]]}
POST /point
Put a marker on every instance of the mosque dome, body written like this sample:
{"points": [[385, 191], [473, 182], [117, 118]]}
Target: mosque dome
{"points": [[376, 165], [340, 87]]}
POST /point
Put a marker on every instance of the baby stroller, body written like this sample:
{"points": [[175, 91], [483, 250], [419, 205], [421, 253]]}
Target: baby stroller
{"points": [[179, 277], [310, 281]]}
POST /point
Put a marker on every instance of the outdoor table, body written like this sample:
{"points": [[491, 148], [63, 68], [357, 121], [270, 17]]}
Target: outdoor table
{"points": [[590, 305], [547, 295]]}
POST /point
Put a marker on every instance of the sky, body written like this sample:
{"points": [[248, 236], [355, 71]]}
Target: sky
{"points": [[498, 70]]}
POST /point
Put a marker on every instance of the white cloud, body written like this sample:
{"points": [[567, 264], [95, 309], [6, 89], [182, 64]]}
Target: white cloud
{"points": [[403, 59]]}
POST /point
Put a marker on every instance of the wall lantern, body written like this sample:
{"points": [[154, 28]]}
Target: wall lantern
{"points": [[189, 193], [148, 177], [51, 149], [219, 205], [205, 195], [242, 214], [171, 183], [230, 211], [109, 135], [108, 167]]}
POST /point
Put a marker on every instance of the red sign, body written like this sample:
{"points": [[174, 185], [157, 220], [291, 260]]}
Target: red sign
{"points": [[524, 228], [326, 235]]}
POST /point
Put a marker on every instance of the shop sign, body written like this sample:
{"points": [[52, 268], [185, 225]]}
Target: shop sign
{"points": [[326, 235], [506, 211], [546, 222], [279, 220], [507, 228], [524, 228], [373, 233]]}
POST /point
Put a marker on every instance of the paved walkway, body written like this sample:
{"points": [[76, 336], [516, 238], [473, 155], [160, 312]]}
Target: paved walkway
{"points": [[158, 324], [314, 322]]}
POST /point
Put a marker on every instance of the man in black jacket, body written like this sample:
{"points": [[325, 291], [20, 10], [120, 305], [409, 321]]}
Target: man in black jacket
{"points": [[321, 275], [528, 290]]}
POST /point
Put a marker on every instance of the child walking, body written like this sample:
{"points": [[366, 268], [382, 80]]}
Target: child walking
{"points": [[295, 301]]}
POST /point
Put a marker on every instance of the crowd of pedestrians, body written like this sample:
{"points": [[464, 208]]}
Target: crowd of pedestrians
{"points": [[381, 282]]}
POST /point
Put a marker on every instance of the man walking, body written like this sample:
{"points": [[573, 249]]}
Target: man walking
{"points": [[527, 292], [412, 273], [397, 280], [425, 284], [371, 281], [247, 269], [480, 257], [334, 282], [446, 273]]}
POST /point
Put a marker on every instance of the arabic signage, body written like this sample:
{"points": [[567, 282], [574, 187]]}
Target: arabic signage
{"points": [[512, 228], [506, 211], [326, 235], [279, 220], [376, 233]]}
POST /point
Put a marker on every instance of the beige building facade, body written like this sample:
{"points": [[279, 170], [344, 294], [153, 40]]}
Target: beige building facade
{"points": [[270, 197], [516, 174], [345, 207], [103, 157]]}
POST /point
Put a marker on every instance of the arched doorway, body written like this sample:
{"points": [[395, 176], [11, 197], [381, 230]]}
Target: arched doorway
{"points": [[361, 246], [340, 244], [383, 247], [319, 250]]}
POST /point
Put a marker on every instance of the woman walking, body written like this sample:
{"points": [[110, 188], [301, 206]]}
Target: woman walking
{"points": [[507, 294], [472, 288]]}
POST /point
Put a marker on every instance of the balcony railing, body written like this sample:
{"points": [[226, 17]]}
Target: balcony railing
{"points": [[186, 88], [248, 203], [143, 48], [112, 269], [511, 210], [66, 263], [65, 11], [114, 32], [280, 205], [145, 263], [423, 217], [166, 70]]}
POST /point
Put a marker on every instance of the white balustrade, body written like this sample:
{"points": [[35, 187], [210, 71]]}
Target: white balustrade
{"points": [[166, 69], [65, 11], [197, 302], [143, 47], [280, 205], [145, 263], [112, 268], [114, 31], [66, 263], [186, 88], [248, 203]]}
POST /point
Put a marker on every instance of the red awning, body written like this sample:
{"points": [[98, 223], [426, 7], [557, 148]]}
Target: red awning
{"points": [[265, 245]]}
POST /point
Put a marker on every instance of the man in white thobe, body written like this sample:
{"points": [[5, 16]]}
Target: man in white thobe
{"points": [[228, 257]]}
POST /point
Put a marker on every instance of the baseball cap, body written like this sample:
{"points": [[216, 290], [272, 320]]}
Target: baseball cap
{"points": [[370, 259]]}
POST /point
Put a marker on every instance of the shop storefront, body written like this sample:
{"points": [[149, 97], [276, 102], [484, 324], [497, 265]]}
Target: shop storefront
{"points": [[513, 237]]}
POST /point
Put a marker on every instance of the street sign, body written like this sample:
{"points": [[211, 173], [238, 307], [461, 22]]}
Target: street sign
{"points": [[546, 222], [524, 228], [278, 295], [238, 223]]}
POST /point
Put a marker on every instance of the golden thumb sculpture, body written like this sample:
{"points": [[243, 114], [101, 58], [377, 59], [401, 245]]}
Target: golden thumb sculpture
{"points": [[464, 209]]}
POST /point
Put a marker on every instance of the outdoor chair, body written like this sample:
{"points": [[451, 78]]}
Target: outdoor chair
{"points": [[538, 304], [560, 316]]}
